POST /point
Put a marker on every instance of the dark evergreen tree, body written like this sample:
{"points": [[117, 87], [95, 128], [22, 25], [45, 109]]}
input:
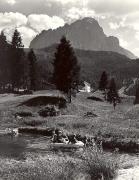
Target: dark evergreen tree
{"points": [[66, 68], [103, 81], [4, 61], [112, 95], [32, 69], [17, 60]]}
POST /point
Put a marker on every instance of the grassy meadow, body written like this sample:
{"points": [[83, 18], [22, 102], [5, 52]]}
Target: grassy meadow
{"points": [[121, 123]]}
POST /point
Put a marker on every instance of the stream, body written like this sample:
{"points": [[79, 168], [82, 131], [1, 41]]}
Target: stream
{"points": [[17, 147]]}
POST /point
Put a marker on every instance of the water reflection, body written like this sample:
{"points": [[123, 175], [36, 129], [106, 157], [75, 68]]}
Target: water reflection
{"points": [[12, 147]]}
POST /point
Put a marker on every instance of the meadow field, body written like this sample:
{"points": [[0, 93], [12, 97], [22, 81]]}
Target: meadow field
{"points": [[83, 116]]}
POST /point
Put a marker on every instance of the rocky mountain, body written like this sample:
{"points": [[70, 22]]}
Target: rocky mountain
{"points": [[83, 34]]}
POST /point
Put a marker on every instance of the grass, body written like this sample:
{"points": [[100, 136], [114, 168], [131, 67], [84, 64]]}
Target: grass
{"points": [[121, 123], [59, 167], [79, 125], [99, 165], [32, 122], [116, 125]]}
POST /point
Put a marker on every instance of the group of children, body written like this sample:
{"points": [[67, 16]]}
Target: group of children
{"points": [[59, 137]]}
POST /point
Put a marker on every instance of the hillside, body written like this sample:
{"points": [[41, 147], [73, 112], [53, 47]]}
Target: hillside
{"points": [[93, 63], [84, 34]]}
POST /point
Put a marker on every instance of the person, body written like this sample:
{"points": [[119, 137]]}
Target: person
{"points": [[72, 139], [58, 137], [54, 137], [114, 103]]}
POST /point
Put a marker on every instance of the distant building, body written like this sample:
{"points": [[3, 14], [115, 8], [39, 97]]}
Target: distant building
{"points": [[86, 88]]}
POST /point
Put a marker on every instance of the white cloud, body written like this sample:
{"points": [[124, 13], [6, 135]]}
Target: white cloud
{"points": [[27, 35], [118, 18], [76, 13], [64, 2], [11, 2], [123, 43], [137, 35], [136, 51], [29, 26], [114, 25], [44, 22], [12, 20]]}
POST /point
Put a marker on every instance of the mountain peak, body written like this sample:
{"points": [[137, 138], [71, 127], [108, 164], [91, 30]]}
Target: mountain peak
{"points": [[84, 34]]}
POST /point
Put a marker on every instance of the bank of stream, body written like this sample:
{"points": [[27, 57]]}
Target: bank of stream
{"points": [[17, 148]]}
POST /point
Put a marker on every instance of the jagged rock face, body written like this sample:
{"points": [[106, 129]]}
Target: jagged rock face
{"points": [[83, 34]]}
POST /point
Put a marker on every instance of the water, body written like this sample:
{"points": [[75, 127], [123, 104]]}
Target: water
{"points": [[17, 147], [129, 169]]}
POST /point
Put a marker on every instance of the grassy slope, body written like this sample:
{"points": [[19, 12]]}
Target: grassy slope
{"points": [[109, 121], [123, 121]]}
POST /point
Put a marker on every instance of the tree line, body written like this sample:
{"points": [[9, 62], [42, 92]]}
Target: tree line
{"points": [[17, 70], [108, 86]]}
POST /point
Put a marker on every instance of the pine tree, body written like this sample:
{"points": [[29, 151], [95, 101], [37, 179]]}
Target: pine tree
{"points": [[112, 94], [66, 68], [17, 60], [103, 81], [32, 69], [4, 61]]}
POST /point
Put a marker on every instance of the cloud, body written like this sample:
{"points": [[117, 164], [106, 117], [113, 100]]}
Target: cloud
{"points": [[12, 20], [27, 34], [28, 26], [123, 43], [11, 2], [115, 7], [44, 22], [114, 25], [136, 51], [65, 2], [118, 18], [77, 13], [137, 35]]}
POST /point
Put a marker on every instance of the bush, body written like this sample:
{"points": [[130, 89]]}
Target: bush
{"points": [[90, 114], [95, 98], [49, 111], [36, 131], [99, 165], [23, 114], [46, 100], [124, 145]]}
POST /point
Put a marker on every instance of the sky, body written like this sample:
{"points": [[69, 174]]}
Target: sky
{"points": [[119, 18]]}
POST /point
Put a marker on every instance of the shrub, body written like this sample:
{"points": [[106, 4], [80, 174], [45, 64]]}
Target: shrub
{"points": [[95, 98], [124, 145], [90, 114], [36, 131], [99, 165], [23, 114], [49, 111], [46, 100]]}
